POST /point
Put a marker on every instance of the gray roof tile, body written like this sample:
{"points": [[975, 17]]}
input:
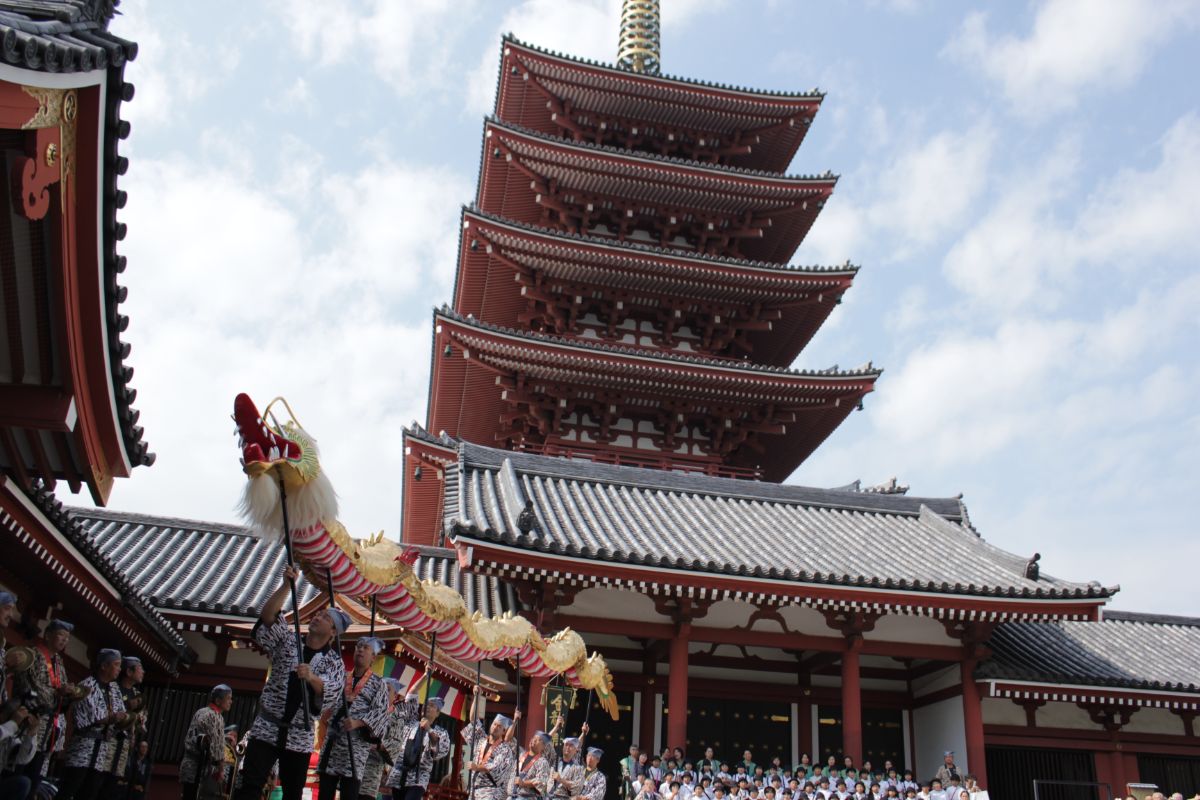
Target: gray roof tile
{"points": [[1125, 650], [225, 569], [695, 522]]}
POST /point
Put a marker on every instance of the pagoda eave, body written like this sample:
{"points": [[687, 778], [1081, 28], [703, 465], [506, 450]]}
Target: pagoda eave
{"points": [[533, 179], [552, 395], [516, 275], [558, 95]]}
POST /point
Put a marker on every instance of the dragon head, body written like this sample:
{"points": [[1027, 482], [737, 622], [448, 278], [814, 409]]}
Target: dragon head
{"points": [[275, 453]]}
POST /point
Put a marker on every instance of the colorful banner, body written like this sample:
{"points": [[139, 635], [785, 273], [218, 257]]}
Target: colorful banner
{"points": [[413, 680]]}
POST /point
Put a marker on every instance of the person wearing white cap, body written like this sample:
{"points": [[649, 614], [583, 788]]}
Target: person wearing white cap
{"points": [[568, 771], [47, 679], [94, 717], [282, 731], [948, 769], [386, 747], [422, 743], [495, 754], [594, 782], [532, 777], [203, 761], [128, 733], [363, 714]]}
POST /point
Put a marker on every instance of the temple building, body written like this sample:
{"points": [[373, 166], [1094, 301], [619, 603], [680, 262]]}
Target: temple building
{"points": [[613, 415]]}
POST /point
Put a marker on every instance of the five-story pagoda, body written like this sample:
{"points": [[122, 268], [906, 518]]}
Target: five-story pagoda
{"points": [[623, 291]]}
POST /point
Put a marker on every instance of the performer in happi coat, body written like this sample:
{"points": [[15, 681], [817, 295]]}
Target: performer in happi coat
{"points": [[362, 712], [566, 776], [494, 754], [531, 779], [95, 718], [385, 748], [202, 770], [128, 732], [8, 608], [422, 742], [47, 679], [280, 731], [594, 782]]}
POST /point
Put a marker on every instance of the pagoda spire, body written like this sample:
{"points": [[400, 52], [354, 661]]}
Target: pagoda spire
{"points": [[640, 45]]}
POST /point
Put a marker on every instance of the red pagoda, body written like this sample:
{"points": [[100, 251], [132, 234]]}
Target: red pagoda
{"points": [[623, 291]]}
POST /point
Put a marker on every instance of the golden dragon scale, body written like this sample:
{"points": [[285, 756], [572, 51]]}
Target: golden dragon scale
{"points": [[276, 454]]}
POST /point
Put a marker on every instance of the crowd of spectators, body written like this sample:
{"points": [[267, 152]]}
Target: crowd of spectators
{"points": [[674, 776]]}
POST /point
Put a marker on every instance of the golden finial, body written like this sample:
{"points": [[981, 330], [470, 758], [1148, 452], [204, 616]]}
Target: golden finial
{"points": [[640, 44]]}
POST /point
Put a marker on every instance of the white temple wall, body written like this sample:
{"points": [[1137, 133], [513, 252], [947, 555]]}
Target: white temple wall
{"points": [[938, 727], [998, 711]]}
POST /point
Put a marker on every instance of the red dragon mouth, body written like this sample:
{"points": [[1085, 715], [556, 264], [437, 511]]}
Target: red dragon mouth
{"points": [[261, 446]]}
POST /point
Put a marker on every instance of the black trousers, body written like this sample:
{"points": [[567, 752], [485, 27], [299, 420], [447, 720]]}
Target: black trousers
{"points": [[80, 783], [330, 784], [412, 793], [188, 791], [33, 771], [256, 768]]}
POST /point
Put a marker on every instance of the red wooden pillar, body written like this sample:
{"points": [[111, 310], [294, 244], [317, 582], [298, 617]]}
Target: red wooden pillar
{"points": [[973, 723], [535, 708], [851, 701], [677, 690]]}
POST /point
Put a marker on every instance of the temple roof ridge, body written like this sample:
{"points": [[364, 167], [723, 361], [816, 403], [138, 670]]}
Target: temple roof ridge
{"points": [[510, 38], [867, 370], [666, 252], [707, 166]]}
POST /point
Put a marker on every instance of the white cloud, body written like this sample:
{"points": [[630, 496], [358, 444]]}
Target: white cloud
{"points": [[583, 28], [407, 45], [1023, 253], [1074, 46], [917, 198], [234, 288]]}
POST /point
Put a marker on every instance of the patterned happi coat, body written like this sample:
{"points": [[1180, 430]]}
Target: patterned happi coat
{"points": [[39, 679], [568, 772], [500, 762], [370, 705], [409, 722], [379, 758], [126, 737], [91, 743], [534, 768], [594, 784], [204, 744], [278, 642]]}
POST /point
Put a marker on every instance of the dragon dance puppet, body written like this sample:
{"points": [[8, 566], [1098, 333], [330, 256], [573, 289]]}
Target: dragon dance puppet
{"points": [[282, 460]]}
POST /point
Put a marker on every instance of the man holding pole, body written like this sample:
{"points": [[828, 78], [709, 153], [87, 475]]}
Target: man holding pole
{"points": [[301, 686], [494, 757], [422, 743], [203, 746], [363, 713]]}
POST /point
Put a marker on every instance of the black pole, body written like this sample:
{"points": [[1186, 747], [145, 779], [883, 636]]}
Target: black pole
{"points": [[587, 712], [474, 721], [287, 545], [153, 752], [345, 710], [522, 717], [374, 597], [429, 667]]}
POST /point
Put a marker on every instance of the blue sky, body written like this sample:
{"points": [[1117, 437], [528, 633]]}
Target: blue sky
{"points": [[1018, 181]]}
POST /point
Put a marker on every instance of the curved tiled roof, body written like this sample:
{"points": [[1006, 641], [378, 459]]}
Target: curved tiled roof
{"points": [[72, 36], [1124, 650], [664, 252], [187, 565], [655, 354], [722, 525], [66, 520], [671, 78], [718, 170]]}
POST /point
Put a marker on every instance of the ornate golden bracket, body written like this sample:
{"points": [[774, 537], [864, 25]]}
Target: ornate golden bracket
{"points": [[50, 153]]}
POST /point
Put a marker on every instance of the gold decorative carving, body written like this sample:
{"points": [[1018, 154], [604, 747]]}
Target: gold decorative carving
{"points": [[50, 107]]}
